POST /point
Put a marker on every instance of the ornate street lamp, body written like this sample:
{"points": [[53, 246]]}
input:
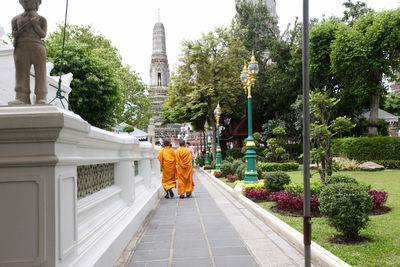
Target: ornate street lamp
{"points": [[207, 165], [248, 78], [217, 114]]}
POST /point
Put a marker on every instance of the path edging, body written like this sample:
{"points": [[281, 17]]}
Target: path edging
{"points": [[319, 255]]}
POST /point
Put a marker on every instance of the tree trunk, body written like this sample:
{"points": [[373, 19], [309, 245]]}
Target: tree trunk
{"points": [[329, 160], [213, 127], [373, 115]]}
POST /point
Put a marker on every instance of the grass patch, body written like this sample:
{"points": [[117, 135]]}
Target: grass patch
{"points": [[226, 181], [383, 230]]}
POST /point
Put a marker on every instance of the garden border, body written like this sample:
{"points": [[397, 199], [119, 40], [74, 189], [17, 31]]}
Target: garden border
{"points": [[319, 255]]}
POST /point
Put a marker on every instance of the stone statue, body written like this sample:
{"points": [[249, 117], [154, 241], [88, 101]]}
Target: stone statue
{"points": [[28, 30]]}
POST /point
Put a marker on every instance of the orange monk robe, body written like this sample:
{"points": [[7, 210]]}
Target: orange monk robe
{"points": [[166, 156], [185, 176]]}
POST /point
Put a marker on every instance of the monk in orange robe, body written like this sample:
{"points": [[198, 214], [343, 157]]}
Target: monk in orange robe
{"points": [[166, 156], [184, 170]]}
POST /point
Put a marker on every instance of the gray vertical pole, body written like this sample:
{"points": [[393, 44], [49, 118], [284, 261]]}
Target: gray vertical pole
{"points": [[306, 138]]}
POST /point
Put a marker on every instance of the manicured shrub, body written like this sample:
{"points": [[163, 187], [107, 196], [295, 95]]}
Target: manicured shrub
{"points": [[231, 178], [229, 159], [247, 187], [235, 153], [315, 188], [274, 166], [289, 202], [259, 172], [213, 163], [294, 188], [368, 148], [389, 163], [240, 171], [235, 164], [257, 195], [346, 205], [218, 174], [366, 187], [200, 160], [275, 181], [378, 198], [340, 178], [297, 189], [226, 168]]}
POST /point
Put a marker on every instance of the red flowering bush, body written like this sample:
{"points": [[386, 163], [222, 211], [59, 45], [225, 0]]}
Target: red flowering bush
{"points": [[231, 178], [289, 202], [218, 174], [257, 195], [378, 198]]}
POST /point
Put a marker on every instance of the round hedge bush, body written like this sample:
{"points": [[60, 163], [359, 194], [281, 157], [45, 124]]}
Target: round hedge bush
{"points": [[235, 164], [340, 178], [346, 205], [275, 181], [226, 168], [240, 171]]}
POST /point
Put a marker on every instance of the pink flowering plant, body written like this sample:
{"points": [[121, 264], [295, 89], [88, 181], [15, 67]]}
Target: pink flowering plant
{"points": [[289, 202], [218, 174], [231, 178], [257, 195], [378, 198]]}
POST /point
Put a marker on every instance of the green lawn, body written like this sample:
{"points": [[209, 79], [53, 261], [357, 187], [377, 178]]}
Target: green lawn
{"points": [[226, 181], [383, 230]]}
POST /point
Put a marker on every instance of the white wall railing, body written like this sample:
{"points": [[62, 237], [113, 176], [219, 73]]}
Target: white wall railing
{"points": [[44, 222]]}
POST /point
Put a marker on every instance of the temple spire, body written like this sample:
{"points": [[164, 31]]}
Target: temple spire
{"points": [[159, 70]]}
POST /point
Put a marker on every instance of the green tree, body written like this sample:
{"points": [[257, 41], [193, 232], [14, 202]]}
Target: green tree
{"points": [[135, 108], [104, 91], [274, 147], [259, 28], [366, 52], [322, 129], [279, 79], [354, 11], [391, 103], [209, 72]]}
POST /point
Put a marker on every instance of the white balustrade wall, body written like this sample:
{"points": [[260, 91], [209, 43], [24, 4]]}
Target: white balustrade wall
{"points": [[43, 221]]}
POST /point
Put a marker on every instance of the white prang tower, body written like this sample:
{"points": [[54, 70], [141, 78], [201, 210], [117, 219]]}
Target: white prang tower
{"points": [[159, 70], [159, 80]]}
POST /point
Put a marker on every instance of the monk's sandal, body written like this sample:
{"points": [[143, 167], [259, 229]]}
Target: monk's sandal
{"points": [[171, 194]]}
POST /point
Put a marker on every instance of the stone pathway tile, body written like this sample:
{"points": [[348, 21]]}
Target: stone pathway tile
{"points": [[208, 229]]}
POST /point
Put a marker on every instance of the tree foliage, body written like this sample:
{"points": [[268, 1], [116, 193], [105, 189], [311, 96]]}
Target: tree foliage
{"points": [[354, 11], [209, 73], [279, 79], [391, 104], [101, 84], [322, 129], [366, 52], [135, 107]]}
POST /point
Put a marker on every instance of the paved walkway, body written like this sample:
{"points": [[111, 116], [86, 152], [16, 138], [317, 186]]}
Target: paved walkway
{"points": [[195, 231]]}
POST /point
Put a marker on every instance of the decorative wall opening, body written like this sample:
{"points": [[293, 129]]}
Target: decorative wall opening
{"points": [[136, 163], [93, 178], [159, 79]]}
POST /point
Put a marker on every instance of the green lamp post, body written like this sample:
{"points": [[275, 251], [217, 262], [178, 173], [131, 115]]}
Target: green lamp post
{"points": [[248, 77], [217, 114], [207, 165]]}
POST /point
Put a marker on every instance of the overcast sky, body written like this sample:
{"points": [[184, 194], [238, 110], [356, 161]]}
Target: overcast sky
{"points": [[129, 23]]}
